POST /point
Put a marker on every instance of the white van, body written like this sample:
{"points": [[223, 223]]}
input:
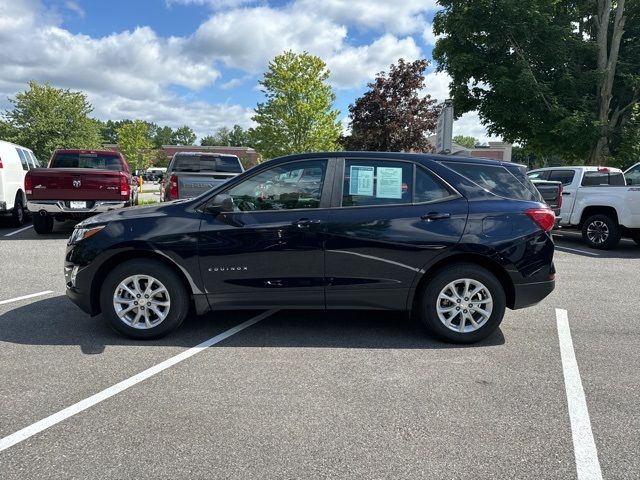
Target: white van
{"points": [[15, 161]]}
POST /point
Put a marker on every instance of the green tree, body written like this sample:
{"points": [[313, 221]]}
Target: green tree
{"points": [[44, 118], [184, 136], [134, 143], [561, 77], [629, 142], [465, 141], [298, 114], [219, 138], [238, 137], [163, 136]]}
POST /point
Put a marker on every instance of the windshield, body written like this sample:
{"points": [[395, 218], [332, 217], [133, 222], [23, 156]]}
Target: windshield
{"points": [[103, 161]]}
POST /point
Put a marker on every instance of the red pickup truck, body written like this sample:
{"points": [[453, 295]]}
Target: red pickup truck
{"points": [[78, 184]]}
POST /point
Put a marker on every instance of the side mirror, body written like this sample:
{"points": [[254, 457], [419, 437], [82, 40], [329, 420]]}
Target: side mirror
{"points": [[221, 203]]}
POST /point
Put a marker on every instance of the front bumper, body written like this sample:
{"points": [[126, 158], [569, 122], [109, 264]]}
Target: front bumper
{"points": [[54, 207], [528, 294], [78, 285]]}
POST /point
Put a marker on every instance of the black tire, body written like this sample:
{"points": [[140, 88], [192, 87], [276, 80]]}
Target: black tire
{"points": [[601, 232], [635, 236], [427, 307], [42, 225], [179, 299], [18, 215]]}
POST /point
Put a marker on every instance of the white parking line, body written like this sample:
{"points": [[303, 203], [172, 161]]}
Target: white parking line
{"points": [[561, 248], [19, 230], [24, 297], [584, 446], [82, 405]]}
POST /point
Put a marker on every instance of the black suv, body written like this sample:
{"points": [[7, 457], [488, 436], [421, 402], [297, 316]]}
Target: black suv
{"points": [[454, 240]]}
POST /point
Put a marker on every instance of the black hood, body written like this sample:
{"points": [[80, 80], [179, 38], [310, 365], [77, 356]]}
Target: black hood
{"points": [[146, 211]]}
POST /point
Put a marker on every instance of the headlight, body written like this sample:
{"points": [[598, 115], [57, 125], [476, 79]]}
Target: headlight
{"points": [[80, 234]]}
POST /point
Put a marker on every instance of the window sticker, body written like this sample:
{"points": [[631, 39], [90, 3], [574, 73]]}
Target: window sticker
{"points": [[361, 180], [389, 182]]}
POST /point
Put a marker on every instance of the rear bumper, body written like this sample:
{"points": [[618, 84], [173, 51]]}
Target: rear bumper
{"points": [[61, 206], [527, 294]]}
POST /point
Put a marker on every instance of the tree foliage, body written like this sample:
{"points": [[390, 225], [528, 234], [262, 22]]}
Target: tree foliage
{"points": [[545, 74], [466, 141], [184, 136], [44, 118], [393, 115], [134, 143], [298, 115], [163, 136], [225, 137]]}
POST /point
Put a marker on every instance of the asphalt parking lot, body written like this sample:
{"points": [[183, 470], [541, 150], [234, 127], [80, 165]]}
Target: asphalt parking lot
{"points": [[314, 395]]}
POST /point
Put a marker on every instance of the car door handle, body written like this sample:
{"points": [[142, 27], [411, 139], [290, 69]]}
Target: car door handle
{"points": [[566, 193], [306, 222], [435, 216]]}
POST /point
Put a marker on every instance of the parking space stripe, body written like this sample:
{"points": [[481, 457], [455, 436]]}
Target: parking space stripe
{"points": [[82, 405], [19, 230], [584, 445], [561, 248], [24, 297]]}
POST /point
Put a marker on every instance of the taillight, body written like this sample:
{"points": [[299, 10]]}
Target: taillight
{"points": [[28, 184], [560, 196], [173, 188], [125, 188], [543, 217], [0, 162]]}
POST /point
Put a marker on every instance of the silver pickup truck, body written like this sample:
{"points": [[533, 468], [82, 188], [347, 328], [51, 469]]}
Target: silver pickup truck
{"points": [[191, 173]]}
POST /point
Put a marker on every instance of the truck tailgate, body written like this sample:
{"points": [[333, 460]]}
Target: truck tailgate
{"points": [[75, 184], [192, 184]]}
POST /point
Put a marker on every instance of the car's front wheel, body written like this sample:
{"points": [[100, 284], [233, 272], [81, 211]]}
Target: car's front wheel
{"points": [[463, 303], [144, 299]]}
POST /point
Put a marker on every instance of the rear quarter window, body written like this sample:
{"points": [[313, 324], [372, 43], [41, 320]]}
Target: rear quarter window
{"points": [[505, 182]]}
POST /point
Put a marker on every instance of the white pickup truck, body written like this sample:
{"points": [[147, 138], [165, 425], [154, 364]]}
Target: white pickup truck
{"points": [[598, 201]]}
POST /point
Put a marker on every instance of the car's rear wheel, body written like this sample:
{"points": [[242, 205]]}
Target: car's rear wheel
{"points": [[18, 215], [463, 303], [144, 299], [42, 224], [635, 236], [601, 232]]}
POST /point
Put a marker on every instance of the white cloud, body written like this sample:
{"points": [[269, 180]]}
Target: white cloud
{"points": [[401, 17], [428, 36], [249, 38], [74, 7], [469, 124], [353, 66]]}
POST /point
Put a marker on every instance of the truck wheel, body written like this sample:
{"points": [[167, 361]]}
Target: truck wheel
{"points": [[42, 225], [635, 236], [144, 299], [464, 303], [601, 232], [18, 215]]}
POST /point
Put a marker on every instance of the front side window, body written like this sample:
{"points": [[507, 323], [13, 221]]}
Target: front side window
{"points": [[285, 187], [633, 175], [377, 182]]}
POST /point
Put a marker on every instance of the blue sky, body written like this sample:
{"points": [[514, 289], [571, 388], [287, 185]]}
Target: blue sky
{"points": [[198, 62]]}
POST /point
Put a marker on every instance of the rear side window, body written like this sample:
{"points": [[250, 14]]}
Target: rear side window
{"points": [[429, 188], [377, 182], [24, 160], [206, 163], [505, 182], [102, 161], [564, 176], [599, 178]]}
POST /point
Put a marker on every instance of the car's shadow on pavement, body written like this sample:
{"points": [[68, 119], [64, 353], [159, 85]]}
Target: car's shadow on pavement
{"points": [[573, 243], [56, 321]]}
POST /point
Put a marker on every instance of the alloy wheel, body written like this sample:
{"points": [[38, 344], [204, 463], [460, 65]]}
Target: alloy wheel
{"points": [[598, 232], [464, 305], [141, 301]]}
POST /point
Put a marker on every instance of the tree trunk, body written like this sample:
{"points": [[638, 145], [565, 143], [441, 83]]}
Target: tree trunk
{"points": [[607, 61]]}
